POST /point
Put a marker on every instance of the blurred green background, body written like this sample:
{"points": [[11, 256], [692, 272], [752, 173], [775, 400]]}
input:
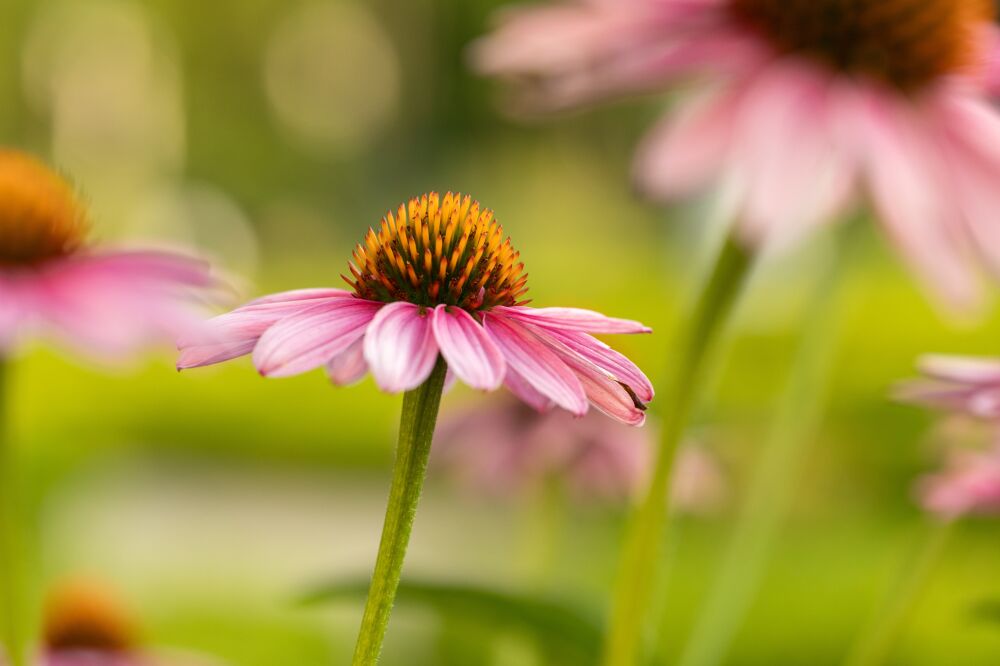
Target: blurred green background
{"points": [[271, 134]]}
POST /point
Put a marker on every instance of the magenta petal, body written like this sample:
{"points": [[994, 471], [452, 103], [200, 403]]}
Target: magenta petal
{"points": [[309, 338], [573, 319], [607, 359], [962, 369], [527, 393], [468, 349], [236, 333], [536, 363], [348, 367], [400, 347]]}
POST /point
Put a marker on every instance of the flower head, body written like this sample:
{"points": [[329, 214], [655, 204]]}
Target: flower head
{"points": [[104, 304], [806, 103], [957, 384], [438, 277], [969, 484], [503, 448]]}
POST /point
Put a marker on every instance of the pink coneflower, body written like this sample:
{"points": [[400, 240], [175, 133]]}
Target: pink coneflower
{"points": [[86, 625], [957, 384], [968, 484], [438, 277], [436, 289], [101, 303], [805, 103], [504, 448]]}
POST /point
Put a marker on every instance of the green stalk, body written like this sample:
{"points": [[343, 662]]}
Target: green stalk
{"points": [[11, 588], [766, 503], [641, 557], [416, 429], [875, 644]]}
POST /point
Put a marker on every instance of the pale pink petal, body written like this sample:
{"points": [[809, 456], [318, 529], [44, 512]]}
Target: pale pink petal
{"points": [[572, 319], [468, 349], [348, 367], [607, 359], [532, 360], [962, 369], [523, 389], [400, 348], [236, 333], [602, 388], [311, 337], [685, 153], [914, 198]]}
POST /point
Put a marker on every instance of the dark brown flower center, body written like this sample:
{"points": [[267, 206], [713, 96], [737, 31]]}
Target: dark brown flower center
{"points": [[40, 215], [905, 43], [439, 251], [82, 616]]}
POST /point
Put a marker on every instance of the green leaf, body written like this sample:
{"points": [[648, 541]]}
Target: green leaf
{"points": [[562, 633]]}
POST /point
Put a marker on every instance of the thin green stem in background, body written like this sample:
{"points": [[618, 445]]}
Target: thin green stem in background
{"points": [[875, 644], [641, 556], [768, 496], [11, 587], [416, 430]]}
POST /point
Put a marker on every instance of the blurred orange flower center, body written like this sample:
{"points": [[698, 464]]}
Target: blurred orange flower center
{"points": [[905, 43], [83, 616], [40, 215], [438, 250]]}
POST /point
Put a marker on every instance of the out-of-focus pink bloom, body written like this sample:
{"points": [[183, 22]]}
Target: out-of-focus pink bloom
{"points": [[101, 303], [805, 103], [969, 484], [437, 278], [503, 448], [87, 626], [957, 384]]}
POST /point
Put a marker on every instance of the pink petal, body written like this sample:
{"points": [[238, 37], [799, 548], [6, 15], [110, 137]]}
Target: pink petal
{"points": [[603, 390], [535, 362], [348, 367], [961, 369], [400, 348], [914, 198], [523, 389], [468, 349], [572, 319], [311, 337], [687, 152], [236, 333], [607, 359]]}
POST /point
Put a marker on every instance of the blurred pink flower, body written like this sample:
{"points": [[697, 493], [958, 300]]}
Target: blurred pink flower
{"points": [[969, 483], [101, 303], [503, 448], [957, 384], [806, 103], [436, 278], [85, 625]]}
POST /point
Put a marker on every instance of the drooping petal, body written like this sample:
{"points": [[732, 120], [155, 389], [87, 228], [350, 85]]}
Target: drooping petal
{"points": [[962, 369], [236, 333], [470, 352], [533, 361], [523, 389], [607, 359], [603, 389], [348, 367], [572, 319], [915, 200], [400, 348], [311, 337]]}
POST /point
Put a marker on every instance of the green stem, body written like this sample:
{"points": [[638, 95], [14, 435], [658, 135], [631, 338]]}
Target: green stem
{"points": [[10, 579], [876, 642], [416, 429], [641, 555], [766, 503]]}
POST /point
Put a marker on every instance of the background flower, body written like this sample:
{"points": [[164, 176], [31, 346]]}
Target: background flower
{"points": [[803, 105]]}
